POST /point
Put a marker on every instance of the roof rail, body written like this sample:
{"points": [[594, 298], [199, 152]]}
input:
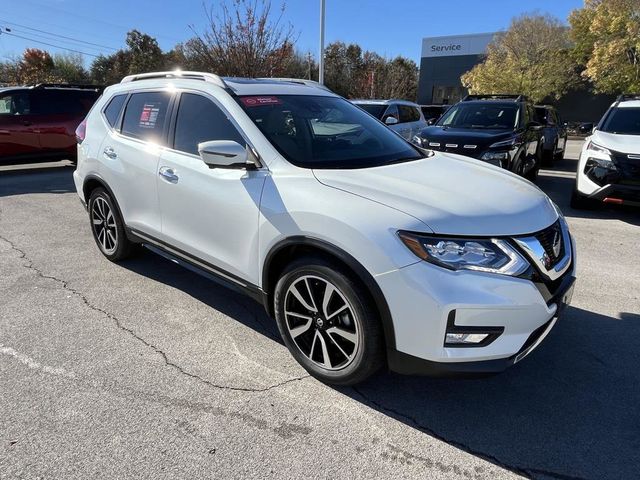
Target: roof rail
{"points": [[301, 81], [497, 96], [69, 85], [204, 76], [627, 96]]}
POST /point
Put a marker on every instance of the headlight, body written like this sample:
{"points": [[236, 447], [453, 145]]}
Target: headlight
{"points": [[495, 158], [505, 143], [599, 151], [484, 255]]}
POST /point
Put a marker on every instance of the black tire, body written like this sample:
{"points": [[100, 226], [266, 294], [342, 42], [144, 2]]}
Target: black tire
{"points": [[582, 202], [360, 317], [548, 156], [111, 231]]}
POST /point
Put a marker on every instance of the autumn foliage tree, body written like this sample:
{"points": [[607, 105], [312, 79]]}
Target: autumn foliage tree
{"points": [[532, 57], [606, 44]]}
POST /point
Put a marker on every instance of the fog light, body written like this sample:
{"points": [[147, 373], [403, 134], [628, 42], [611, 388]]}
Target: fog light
{"points": [[465, 338]]}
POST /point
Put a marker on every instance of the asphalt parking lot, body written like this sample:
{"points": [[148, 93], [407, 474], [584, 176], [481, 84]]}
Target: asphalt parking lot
{"points": [[145, 369]]}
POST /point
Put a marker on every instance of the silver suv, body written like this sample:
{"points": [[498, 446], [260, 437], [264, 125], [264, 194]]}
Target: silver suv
{"points": [[402, 116]]}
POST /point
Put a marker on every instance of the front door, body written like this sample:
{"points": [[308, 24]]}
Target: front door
{"points": [[209, 213]]}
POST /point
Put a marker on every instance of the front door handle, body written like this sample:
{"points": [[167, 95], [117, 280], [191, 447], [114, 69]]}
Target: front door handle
{"points": [[169, 174], [110, 153]]}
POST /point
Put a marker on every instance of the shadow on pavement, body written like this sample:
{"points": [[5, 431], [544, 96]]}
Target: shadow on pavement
{"points": [[50, 178]]}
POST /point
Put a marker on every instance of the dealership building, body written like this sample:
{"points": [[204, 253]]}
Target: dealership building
{"points": [[445, 59]]}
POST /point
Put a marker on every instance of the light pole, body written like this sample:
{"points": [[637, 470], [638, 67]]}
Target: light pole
{"points": [[321, 58]]}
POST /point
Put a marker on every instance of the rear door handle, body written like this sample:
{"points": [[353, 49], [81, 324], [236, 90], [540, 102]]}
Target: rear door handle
{"points": [[169, 174], [110, 153]]}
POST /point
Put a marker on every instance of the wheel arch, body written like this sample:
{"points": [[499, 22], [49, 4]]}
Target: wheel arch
{"points": [[287, 250], [91, 182]]}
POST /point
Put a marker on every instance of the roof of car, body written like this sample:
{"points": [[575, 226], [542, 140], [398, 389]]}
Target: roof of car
{"points": [[239, 86], [374, 101], [628, 104]]}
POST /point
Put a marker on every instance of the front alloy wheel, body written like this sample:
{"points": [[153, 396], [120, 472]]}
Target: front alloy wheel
{"points": [[328, 322], [321, 322]]}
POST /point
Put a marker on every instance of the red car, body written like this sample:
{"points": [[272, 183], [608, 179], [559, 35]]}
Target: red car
{"points": [[38, 123]]}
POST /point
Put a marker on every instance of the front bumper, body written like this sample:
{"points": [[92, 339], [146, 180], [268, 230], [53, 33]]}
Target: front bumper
{"points": [[421, 298]]}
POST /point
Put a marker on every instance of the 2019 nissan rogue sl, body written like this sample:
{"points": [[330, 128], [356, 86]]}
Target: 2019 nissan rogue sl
{"points": [[367, 250], [609, 165]]}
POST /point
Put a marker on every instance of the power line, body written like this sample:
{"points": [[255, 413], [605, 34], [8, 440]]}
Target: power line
{"points": [[49, 44], [49, 38], [57, 35]]}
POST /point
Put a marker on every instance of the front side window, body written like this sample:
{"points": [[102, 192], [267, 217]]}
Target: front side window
{"points": [[481, 115], [145, 115], [624, 121], [200, 120], [406, 115], [17, 103], [325, 132]]}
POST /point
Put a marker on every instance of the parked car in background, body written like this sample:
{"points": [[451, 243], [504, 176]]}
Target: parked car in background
{"points": [[400, 115], [432, 113], [367, 250], [499, 129], [554, 132], [609, 165], [38, 123]]}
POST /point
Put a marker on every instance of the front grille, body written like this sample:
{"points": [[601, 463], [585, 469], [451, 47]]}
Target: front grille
{"points": [[467, 150], [548, 238], [629, 168]]}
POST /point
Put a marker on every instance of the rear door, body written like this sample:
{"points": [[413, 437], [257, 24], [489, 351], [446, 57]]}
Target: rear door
{"points": [[130, 154], [18, 135]]}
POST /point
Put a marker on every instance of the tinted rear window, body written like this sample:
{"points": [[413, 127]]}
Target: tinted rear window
{"points": [[112, 112], [59, 101], [145, 115]]}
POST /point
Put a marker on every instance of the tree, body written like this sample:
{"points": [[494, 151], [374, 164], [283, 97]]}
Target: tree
{"points": [[69, 68], [532, 57], [145, 54], [245, 39], [107, 70], [36, 66], [606, 37]]}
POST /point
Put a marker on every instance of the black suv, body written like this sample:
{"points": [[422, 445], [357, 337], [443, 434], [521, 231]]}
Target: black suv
{"points": [[554, 133], [498, 129]]}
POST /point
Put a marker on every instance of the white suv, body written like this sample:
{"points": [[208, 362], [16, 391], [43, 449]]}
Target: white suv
{"points": [[366, 249], [609, 166]]}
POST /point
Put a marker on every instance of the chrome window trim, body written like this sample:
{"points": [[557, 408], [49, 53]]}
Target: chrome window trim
{"points": [[536, 253]]}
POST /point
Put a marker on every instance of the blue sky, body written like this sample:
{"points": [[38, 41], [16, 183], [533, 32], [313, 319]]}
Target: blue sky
{"points": [[391, 27]]}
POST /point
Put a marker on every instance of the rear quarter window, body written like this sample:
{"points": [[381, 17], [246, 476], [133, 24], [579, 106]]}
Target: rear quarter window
{"points": [[145, 115], [112, 110]]}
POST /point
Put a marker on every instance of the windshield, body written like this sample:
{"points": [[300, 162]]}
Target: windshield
{"points": [[373, 108], [481, 115], [326, 132], [624, 121]]}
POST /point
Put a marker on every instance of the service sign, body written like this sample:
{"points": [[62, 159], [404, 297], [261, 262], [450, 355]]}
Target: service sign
{"points": [[475, 44]]}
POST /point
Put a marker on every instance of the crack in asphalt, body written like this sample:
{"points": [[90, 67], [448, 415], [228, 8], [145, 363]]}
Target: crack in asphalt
{"points": [[65, 285], [523, 471]]}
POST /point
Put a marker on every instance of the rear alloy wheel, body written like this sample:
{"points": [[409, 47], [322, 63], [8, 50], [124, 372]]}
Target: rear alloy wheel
{"points": [[107, 227], [327, 323]]}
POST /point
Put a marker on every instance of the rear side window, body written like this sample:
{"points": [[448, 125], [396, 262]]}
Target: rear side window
{"points": [[145, 115], [112, 112], [15, 103], [60, 101], [200, 120]]}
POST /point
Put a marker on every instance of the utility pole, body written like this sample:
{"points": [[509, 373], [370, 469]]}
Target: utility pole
{"points": [[321, 58]]}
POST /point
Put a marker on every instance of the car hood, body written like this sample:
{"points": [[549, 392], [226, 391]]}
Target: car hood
{"points": [[451, 194], [616, 142], [465, 136]]}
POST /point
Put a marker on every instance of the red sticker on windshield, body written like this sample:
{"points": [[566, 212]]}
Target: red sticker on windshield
{"points": [[257, 101]]}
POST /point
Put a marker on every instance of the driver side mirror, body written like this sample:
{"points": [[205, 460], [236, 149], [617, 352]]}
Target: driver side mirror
{"points": [[225, 154], [391, 120]]}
